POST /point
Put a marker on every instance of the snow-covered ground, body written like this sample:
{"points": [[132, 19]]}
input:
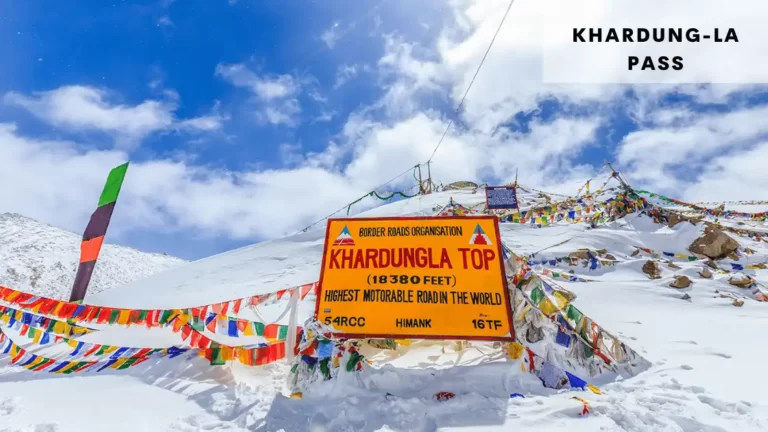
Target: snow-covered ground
{"points": [[706, 353]]}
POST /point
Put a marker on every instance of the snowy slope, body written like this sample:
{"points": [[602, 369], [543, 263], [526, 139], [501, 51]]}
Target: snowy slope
{"points": [[706, 353], [42, 259]]}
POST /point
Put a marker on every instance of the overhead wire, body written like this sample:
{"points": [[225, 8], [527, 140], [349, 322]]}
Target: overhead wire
{"points": [[359, 199], [472, 81], [458, 108]]}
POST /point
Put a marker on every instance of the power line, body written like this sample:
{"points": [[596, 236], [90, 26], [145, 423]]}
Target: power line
{"points": [[461, 103]]}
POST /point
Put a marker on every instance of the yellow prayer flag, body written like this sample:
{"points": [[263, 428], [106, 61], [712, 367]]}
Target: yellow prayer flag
{"points": [[404, 342], [227, 353], [110, 349], [36, 308], [67, 366], [71, 342], [70, 366], [249, 331], [57, 308], [562, 302], [547, 307], [37, 362], [36, 338], [122, 317], [58, 328], [515, 350], [120, 361], [594, 389]]}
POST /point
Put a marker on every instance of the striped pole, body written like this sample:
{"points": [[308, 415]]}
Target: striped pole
{"points": [[93, 237]]}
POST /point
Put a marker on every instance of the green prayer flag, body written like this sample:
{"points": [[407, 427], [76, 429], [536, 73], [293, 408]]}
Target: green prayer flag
{"points": [[324, 368], [282, 332], [574, 314], [354, 359], [142, 316], [197, 324], [537, 295], [77, 366], [259, 328], [127, 363], [113, 317], [165, 316], [216, 359], [114, 183]]}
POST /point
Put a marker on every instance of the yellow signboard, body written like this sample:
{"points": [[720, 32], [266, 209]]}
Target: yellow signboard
{"points": [[415, 277]]}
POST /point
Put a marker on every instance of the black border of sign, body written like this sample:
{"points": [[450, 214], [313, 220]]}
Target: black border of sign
{"points": [[514, 188], [510, 338]]}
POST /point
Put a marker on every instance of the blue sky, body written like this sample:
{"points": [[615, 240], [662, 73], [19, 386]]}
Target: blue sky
{"points": [[246, 120]]}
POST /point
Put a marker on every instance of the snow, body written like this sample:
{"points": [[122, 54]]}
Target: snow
{"points": [[706, 353], [42, 259]]}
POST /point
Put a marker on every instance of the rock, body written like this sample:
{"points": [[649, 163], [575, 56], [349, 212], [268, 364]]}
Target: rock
{"points": [[674, 219], [685, 297], [741, 281], [571, 271], [705, 273], [672, 265], [651, 268], [601, 251], [711, 264], [738, 303], [680, 282], [761, 266], [610, 257], [580, 254], [714, 244], [733, 256], [534, 334], [636, 252]]}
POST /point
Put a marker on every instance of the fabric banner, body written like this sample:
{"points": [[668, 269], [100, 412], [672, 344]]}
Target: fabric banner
{"points": [[93, 237], [82, 313]]}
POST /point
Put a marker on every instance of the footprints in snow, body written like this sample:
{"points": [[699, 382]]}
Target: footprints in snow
{"points": [[9, 405]]}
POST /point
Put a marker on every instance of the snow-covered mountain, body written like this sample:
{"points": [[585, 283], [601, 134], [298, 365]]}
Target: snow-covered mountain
{"points": [[42, 259]]}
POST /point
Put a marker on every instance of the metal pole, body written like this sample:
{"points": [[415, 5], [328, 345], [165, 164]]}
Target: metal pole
{"points": [[429, 176], [618, 176], [421, 183]]}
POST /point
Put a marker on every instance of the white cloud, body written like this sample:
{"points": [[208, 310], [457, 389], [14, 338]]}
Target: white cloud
{"points": [[669, 154], [345, 73], [82, 108], [675, 148], [276, 95], [331, 35], [164, 21]]}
